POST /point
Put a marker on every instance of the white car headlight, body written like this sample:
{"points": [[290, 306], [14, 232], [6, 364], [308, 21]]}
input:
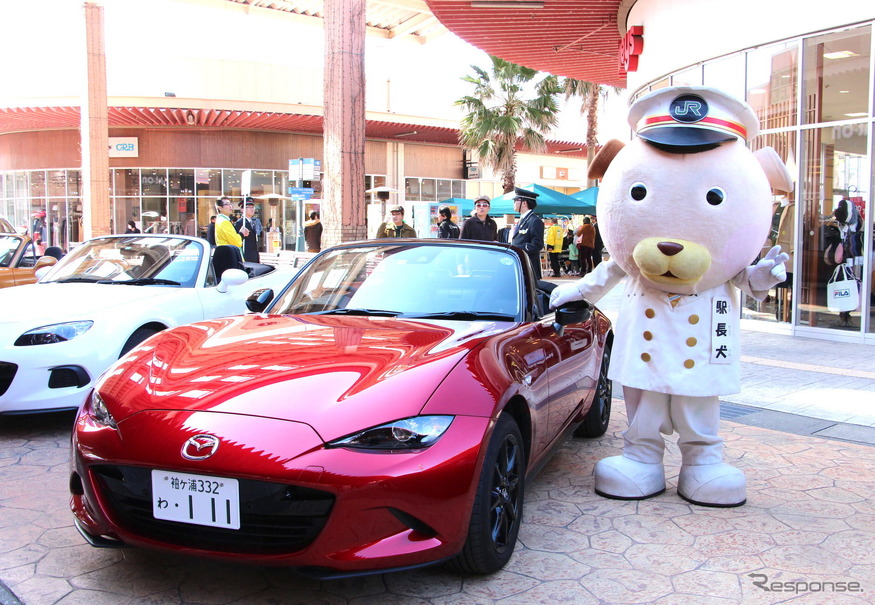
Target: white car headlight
{"points": [[407, 434], [54, 333]]}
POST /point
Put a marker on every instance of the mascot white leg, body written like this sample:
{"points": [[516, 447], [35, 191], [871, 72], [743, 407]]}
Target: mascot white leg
{"points": [[704, 479], [639, 472]]}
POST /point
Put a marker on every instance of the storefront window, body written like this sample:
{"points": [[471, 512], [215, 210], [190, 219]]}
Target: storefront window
{"points": [[208, 183], [411, 189], [127, 181], [727, 74], [232, 182], [126, 209], [37, 183], [834, 194], [428, 192], [56, 183], [771, 84], [836, 76], [74, 181]]}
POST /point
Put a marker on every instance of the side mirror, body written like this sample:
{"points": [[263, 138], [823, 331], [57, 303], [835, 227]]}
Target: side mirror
{"points": [[231, 278], [258, 300], [574, 312], [45, 261]]}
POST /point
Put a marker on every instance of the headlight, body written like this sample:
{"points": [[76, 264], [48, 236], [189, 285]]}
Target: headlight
{"points": [[99, 412], [407, 434], [47, 335]]}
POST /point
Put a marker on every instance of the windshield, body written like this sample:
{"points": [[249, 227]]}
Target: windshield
{"points": [[134, 260], [8, 246], [409, 280]]}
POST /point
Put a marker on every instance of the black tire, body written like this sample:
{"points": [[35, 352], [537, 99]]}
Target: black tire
{"points": [[498, 505], [595, 423], [139, 335]]}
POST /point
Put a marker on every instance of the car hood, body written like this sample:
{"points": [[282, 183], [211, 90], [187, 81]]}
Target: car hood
{"points": [[336, 374], [43, 304]]}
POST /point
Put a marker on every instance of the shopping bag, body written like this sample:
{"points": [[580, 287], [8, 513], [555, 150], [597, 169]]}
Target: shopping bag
{"points": [[842, 290]]}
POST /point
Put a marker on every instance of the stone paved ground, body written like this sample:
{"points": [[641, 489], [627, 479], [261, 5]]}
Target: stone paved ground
{"points": [[810, 519]]}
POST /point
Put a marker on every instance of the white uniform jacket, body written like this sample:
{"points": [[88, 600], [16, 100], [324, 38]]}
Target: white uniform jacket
{"points": [[689, 348]]}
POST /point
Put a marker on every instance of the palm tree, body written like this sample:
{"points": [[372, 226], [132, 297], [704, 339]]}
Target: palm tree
{"points": [[590, 93], [501, 117]]}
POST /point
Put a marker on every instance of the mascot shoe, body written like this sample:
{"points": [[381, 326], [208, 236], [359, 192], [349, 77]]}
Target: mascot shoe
{"points": [[718, 485], [622, 478]]}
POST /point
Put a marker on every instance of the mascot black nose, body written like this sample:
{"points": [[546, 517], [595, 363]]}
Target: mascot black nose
{"points": [[669, 248]]}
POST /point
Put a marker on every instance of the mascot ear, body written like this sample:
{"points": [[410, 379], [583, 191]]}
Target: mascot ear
{"points": [[776, 172], [603, 158]]}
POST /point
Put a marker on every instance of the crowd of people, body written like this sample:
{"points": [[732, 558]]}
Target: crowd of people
{"points": [[570, 251]]}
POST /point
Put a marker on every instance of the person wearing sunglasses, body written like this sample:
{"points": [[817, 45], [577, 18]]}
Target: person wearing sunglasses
{"points": [[226, 234], [480, 226]]}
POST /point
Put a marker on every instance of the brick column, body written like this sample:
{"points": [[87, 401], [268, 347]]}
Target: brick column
{"points": [[95, 130], [343, 206]]}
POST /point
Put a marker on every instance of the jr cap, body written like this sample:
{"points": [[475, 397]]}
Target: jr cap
{"points": [[692, 116]]}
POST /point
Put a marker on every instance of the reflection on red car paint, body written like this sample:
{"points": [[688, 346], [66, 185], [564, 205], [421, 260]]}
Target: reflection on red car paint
{"points": [[384, 410]]}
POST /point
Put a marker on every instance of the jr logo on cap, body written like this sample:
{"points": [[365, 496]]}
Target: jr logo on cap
{"points": [[688, 108]]}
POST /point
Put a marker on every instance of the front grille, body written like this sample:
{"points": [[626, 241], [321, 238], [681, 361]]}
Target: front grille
{"points": [[7, 373], [275, 518]]}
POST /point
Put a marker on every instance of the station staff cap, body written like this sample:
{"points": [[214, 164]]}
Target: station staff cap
{"points": [[692, 116], [530, 197]]}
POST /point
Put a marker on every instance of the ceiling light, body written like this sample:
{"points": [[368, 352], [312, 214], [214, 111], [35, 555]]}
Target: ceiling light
{"points": [[840, 54], [844, 92], [507, 3], [407, 134], [858, 114], [571, 150]]}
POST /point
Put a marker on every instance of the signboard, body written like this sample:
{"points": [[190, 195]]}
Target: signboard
{"points": [[124, 147], [305, 169], [631, 46], [300, 193]]}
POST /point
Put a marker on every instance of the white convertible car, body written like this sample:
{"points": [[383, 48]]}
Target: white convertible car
{"points": [[105, 297]]}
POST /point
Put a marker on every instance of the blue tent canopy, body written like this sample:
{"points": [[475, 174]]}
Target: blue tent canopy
{"points": [[588, 197], [549, 202]]}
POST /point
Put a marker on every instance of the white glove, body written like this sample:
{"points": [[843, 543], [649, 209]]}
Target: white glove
{"points": [[564, 294], [769, 271]]}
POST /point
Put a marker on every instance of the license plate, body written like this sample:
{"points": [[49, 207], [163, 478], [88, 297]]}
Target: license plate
{"points": [[196, 499]]}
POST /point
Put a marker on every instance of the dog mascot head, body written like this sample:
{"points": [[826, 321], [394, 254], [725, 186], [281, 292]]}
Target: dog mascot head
{"points": [[686, 206]]}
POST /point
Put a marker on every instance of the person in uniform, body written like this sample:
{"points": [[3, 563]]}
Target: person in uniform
{"points": [[249, 231], [528, 233]]}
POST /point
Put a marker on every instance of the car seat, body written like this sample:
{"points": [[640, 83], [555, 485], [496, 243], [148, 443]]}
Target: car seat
{"points": [[227, 257]]}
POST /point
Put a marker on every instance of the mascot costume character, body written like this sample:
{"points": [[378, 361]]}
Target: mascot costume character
{"points": [[684, 210]]}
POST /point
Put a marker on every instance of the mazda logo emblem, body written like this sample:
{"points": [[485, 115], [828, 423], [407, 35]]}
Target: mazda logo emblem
{"points": [[200, 447]]}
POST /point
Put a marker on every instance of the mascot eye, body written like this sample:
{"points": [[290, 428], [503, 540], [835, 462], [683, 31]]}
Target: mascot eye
{"points": [[638, 192], [715, 196]]}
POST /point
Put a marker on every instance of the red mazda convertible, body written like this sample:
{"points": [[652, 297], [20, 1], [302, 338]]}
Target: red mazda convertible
{"points": [[385, 410]]}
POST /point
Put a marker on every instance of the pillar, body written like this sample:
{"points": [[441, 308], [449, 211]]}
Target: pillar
{"points": [[95, 130], [343, 206]]}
